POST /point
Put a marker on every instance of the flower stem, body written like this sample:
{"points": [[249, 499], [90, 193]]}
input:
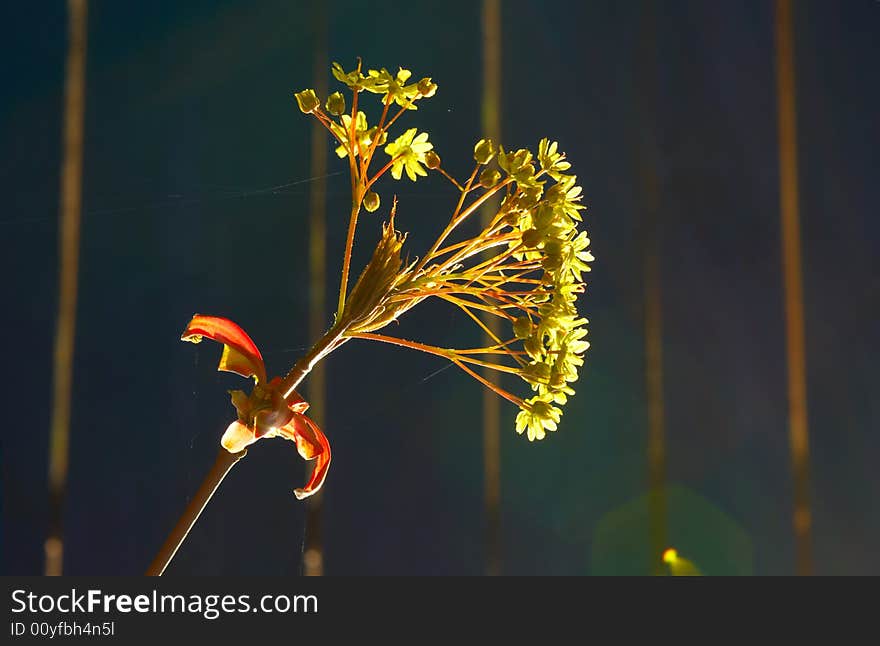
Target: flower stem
{"points": [[346, 257], [382, 172], [334, 338], [403, 109], [451, 179], [365, 161], [453, 222], [513, 399], [222, 465], [452, 356]]}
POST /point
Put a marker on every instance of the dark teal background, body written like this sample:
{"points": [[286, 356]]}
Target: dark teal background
{"points": [[195, 200]]}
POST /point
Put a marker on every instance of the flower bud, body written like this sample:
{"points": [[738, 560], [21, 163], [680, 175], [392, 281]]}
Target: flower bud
{"points": [[489, 177], [557, 379], [335, 104], [534, 346], [371, 201], [432, 160], [484, 151], [536, 373], [531, 195], [427, 88], [553, 248], [371, 134], [531, 238], [551, 263], [522, 327], [307, 101], [512, 218]]}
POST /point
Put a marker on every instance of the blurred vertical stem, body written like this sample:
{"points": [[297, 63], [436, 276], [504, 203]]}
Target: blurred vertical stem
{"points": [[793, 286], [653, 304], [313, 554], [68, 270], [491, 126]]}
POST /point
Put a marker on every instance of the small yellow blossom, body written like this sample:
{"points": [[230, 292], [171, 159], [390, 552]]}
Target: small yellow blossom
{"points": [[408, 152]]}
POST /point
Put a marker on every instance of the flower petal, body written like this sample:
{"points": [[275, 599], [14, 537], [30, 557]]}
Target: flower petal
{"points": [[296, 403], [237, 437], [240, 353], [311, 444]]}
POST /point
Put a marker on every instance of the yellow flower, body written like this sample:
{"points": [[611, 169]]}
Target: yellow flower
{"points": [[307, 100], [539, 415], [395, 87], [408, 152], [363, 136]]}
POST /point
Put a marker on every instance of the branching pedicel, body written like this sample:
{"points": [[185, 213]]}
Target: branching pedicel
{"points": [[525, 267]]}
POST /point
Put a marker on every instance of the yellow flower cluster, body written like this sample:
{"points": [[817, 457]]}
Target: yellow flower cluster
{"points": [[525, 266]]}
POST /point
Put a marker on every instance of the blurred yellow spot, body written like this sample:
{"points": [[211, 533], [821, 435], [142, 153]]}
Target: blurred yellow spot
{"points": [[314, 562], [54, 549], [679, 566]]}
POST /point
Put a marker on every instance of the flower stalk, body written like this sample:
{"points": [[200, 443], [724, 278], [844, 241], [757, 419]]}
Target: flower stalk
{"points": [[222, 466]]}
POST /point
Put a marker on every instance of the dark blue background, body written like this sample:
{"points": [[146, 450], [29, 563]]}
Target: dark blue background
{"points": [[190, 123]]}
